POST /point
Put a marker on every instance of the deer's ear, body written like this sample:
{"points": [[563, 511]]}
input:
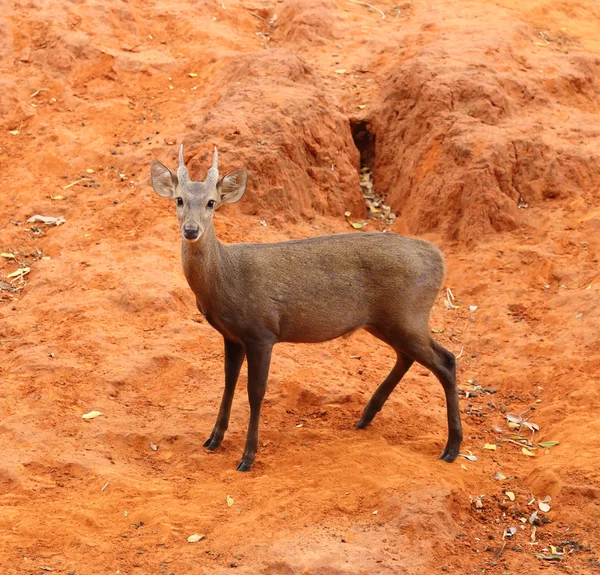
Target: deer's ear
{"points": [[232, 186], [164, 181]]}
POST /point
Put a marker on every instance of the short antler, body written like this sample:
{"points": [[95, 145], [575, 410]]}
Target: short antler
{"points": [[213, 174], [182, 172]]}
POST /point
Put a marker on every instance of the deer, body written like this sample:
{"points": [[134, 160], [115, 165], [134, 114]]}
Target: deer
{"points": [[306, 291]]}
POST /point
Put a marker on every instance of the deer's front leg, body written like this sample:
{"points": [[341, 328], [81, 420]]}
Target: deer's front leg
{"points": [[234, 357], [259, 360]]}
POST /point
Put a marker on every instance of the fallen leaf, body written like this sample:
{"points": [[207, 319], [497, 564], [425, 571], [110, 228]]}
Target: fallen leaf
{"points": [[347, 214], [195, 538], [544, 507], [510, 532], [464, 466], [362, 106], [469, 457], [299, 425], [499, 476], [531, 426], [510, 495], [51, 221], [125, 513], [14, 132], [104, 486], [8, 256], [533, 530], [20, 272], [358, 225], [553, 550], [514, 418], [545, 444], [91, 414], [497, 428], [490, 446], [549, 557], [229, 500], [512, 425], [526, 451], [90, 171], [193, 75], [472, 308], [375, 512], [340, 71], [153, 447], [533, 517], [58, 197]]}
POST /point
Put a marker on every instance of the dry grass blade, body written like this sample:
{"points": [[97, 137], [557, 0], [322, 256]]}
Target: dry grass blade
{"points": [[369, 5]]}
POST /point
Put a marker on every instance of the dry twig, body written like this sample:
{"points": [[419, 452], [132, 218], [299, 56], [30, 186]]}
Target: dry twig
{"points": [[369, 6]]}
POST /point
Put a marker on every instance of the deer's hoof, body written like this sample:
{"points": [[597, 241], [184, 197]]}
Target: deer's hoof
{"points": [[449, 455], [243, 466], [212, 442]]}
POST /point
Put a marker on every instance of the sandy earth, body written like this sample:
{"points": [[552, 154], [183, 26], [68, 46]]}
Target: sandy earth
{"points": [[480, 122]]}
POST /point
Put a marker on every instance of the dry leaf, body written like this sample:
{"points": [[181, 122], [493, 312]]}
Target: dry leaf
{"points": [[14, 132], [51, 221], [195, 538], [340, 71], [544, 507], [472, 308], [526, 451], [20, 272], [549, 557], [58, 197], [533, 530], [362, 106], [192, 75], [8, 256], [490, 446], [499, 476], [91, 414], [510, 495], [469, 456], [463, 466], [514, 418], [229, 500], [153, 447], [545, 444], [512, 425], [104, 487], [358, 225], [90, 171]]}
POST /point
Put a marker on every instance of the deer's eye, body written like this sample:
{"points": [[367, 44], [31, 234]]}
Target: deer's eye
{"points": [[179, 201], [211, 204]]}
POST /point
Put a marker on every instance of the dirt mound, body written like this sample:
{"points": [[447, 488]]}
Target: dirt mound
{"points": [[461, 142], [306, 22], [270, 113]]}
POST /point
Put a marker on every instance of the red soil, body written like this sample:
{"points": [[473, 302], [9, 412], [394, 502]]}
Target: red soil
{"points": [[471, 109]]}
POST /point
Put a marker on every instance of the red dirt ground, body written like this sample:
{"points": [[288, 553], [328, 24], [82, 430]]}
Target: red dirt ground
{"points": [[483, 123]]}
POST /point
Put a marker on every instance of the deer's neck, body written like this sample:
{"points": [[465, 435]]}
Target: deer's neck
{"points": [[203, 266]]}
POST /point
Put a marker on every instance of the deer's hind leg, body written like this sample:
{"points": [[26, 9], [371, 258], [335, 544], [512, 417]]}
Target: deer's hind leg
{"points": [[403, 363]]}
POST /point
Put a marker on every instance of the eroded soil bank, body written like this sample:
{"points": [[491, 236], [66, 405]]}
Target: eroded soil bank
{"points": [[479, 123]]}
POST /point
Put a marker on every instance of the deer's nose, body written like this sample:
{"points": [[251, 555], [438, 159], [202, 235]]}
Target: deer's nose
{"points": [[191, 232]]}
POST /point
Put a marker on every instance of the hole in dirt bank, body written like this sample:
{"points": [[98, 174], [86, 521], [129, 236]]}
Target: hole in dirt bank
{"points": [[377, 211], [364, 141]]}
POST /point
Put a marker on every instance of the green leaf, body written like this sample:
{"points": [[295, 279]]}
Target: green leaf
{"points": [[548, 444]]}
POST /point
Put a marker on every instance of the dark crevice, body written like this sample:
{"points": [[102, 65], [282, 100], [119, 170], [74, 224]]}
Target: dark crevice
{"points": [[364, 141]]}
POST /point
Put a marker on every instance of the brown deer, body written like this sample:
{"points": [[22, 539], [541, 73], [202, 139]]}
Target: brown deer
{"points": [[305, 291]]}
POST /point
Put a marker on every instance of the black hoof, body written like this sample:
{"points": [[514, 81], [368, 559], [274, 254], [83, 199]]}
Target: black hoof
{"points": [[449, 455], [243, 466], [212, 442], [362, 424]]}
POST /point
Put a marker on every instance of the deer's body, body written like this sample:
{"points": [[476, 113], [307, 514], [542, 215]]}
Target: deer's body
{"points": [[316, 289], [306, 291]]}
